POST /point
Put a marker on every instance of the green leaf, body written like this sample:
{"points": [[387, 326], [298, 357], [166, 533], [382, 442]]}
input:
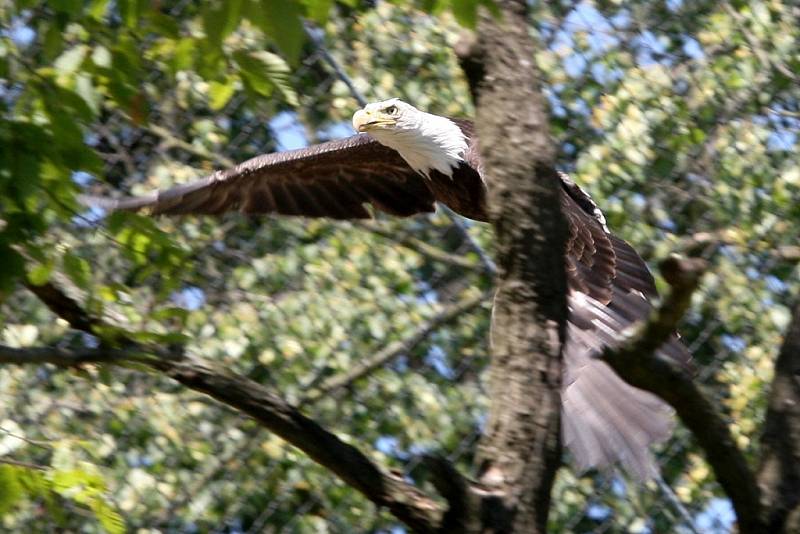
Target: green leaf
{"points": [[87, 487], [172, 312], [166, 26], [131, 11], [109, 518], [156, 338], [11, 490], [318, 10], [53, 40], [220, 19], [97, 9], [12, 267], [184, 54], [71, 60], [264, 72], [63, 106], [281, 21], [220, 93], [101, 57], [70, 7], [466, 12], [20, 165], [65, 480], [40, 274], [34, 483], [66, 105], [85, 89], [77, 269]]}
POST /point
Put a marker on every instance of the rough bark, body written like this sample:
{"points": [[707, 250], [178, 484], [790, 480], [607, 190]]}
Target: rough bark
{"points": [[779, 473], [520, 451]]}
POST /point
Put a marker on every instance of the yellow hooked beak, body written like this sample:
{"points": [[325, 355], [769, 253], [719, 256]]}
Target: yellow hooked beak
{"points": [[364, 120]]}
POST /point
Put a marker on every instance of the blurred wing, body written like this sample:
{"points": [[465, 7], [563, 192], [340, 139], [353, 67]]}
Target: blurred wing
{"points": [[605, 419], [334, 179]]}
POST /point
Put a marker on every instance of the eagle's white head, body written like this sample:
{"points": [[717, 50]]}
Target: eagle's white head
{"points": [[427, 142]]}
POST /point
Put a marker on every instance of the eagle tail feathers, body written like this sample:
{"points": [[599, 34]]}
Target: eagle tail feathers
{"points": [[607, 421]]}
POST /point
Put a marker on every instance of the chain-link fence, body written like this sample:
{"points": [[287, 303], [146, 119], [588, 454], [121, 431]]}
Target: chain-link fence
{"points": [[680, 119]]}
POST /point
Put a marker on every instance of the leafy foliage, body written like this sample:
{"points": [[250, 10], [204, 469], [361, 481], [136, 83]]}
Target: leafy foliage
{"points": [[680, 118]]}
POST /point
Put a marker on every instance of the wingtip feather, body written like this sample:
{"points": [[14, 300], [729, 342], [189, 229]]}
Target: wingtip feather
{"points": [[116, 204]]}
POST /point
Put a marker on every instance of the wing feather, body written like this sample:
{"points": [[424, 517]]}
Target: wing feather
{"points": [[334, 179], [605, 419]]}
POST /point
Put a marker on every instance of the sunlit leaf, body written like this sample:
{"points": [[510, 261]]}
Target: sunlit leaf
{"points": [[281, 21], [221, 92], [265, 72], [11, 491], [220, 19], [77, 269], [319, 10]]}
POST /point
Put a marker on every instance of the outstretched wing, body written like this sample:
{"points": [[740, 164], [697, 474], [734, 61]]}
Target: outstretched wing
{"points": [[606, 420], [334, 179]]}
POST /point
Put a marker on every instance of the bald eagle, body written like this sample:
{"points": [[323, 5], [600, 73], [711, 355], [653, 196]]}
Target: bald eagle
{"points": [[403, 161]]}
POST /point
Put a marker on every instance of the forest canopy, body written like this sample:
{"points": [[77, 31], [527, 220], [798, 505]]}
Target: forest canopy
{"points": [[680, 118]]}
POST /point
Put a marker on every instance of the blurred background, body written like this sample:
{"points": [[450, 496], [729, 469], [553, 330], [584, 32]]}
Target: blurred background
{"points": [[680, 118]]}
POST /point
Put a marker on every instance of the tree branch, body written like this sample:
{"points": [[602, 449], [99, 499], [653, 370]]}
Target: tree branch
{"points": [[65, 357], [419, 246], [456, 490], [635, 362], [26, 465], [396, 348], [170, 140], [64, 306], [642, 339], [779, 472], [407, 503], [697, 244]]}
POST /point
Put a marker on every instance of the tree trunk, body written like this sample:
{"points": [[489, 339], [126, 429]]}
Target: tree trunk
{"points": [[520, 451], [779, 474]]}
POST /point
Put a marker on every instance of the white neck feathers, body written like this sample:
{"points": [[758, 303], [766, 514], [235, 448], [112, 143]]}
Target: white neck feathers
{"points": [[429, 143]]}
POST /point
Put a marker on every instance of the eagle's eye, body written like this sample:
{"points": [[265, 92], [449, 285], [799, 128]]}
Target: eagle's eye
{"points": [[391, 110]]}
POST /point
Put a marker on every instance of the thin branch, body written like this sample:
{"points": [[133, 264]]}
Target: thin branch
{"points": [[316, 36], [66, 357], [683, 275], [461, 494], [784, 113], [488, 263], [170, 140], [635, 362], [35, 442], [698, 243], [396, 348], [64, 306], [789, 253], [754, 45], [407, 503], [332, 384], [418, 245], [26, 465]]}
